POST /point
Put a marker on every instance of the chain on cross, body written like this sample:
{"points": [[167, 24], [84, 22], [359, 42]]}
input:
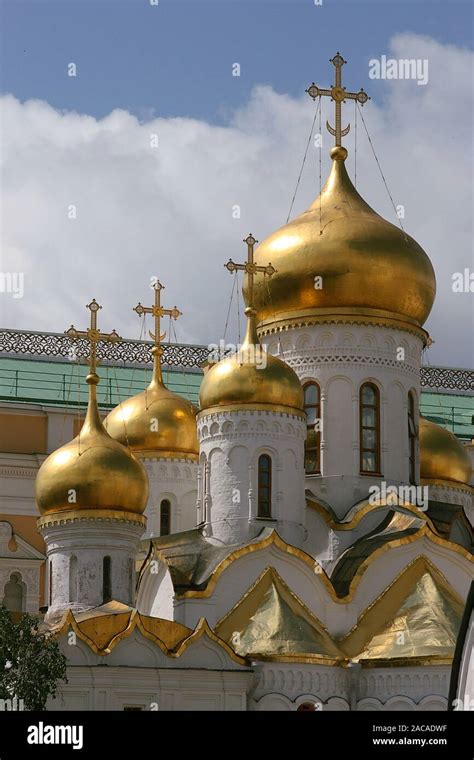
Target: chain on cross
{"points": [[93, 335], [157, 311], [338, 95], [250, 268]]}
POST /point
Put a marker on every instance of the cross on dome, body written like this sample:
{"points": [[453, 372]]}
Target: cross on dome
{"points": [[338, 95]]}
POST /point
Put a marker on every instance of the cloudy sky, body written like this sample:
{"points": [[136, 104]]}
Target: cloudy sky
{"points": [[85, 146]]}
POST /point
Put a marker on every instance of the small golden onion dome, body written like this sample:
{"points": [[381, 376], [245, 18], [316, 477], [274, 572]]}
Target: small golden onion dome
{"points": [[251, 378], [368, 267], [155, 422], [442, 455], [92, 471]]}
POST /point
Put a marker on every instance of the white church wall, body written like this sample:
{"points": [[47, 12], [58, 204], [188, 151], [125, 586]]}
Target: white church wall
{"points": [[230, 445], [175, 480], [341, 358], [76, 551]]}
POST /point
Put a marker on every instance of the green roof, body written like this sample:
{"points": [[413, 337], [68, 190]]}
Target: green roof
{"points": [[450, 410], [63, 383]]}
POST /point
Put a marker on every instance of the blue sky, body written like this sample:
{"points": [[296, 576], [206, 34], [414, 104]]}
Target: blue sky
{"points": [[175, 59]]}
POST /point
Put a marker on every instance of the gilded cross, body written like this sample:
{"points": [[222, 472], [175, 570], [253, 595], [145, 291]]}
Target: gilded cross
{"points": [[158, 311], [339, 95], [93, 335], [250, 268]]}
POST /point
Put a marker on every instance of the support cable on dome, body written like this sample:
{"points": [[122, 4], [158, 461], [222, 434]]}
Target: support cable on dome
{"points": [[304, 158], [355, 143], [320, 167], [436, 391], [381, 173], [280, 346], [67, 400], [238, 306], [234, 280], [129, 392]]}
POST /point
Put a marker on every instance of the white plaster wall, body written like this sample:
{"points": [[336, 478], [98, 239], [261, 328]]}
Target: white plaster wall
{"points": [[340, 357], [175, 480], [230, 445], [90, 541]]}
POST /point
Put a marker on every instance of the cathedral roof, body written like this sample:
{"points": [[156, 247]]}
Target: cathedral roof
{"points": [[92, 472], [271, 621], [443, 458], [156, 422], [251, 378], [104, 627], [417, 617], [367, 268]]}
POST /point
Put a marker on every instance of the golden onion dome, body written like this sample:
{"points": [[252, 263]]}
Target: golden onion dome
{"points": [[251, 378], [155, 422], [92, 472], [369, 268], [442, 455]]}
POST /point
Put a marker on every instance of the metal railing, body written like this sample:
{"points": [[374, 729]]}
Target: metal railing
{"points": [[69, 389]]}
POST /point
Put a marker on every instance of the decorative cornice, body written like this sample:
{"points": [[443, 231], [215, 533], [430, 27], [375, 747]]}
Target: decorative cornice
{"points": [[283, 322], [92, 515], [18, 472], [451, 484], [268, 408]]}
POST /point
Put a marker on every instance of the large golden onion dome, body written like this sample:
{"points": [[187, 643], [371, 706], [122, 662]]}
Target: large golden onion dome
{"points": [[92, 472], [251, 378], [369, 268], [442, 455], [155, 422]]}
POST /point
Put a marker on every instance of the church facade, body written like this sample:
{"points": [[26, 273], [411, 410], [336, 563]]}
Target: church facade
{"points": [[301, 539]]}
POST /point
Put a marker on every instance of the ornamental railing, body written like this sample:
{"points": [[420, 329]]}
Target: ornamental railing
{"points": [[24, 343], [447, 378]]}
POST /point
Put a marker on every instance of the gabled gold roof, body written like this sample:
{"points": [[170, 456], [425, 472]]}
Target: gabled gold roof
{"points": [[418, 616], [271, 621], [104, 627]]}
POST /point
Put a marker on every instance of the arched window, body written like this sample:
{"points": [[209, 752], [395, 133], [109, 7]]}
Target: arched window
{"points": [[369, 402], [264, 486], [412, 436], [106, 579], [14, 594], [165, 518], [312, 406]]}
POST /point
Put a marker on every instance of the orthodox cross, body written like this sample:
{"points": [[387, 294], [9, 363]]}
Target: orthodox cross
{"points": [[250, 268], [339, 95], [158, 311], [93, 335]]}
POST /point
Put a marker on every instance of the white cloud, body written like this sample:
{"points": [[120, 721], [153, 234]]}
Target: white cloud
{"points": [[167, 211]]}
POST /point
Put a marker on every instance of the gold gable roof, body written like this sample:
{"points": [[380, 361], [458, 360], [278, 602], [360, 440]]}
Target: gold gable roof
{"points": [[418, 616], [270, 621]]}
